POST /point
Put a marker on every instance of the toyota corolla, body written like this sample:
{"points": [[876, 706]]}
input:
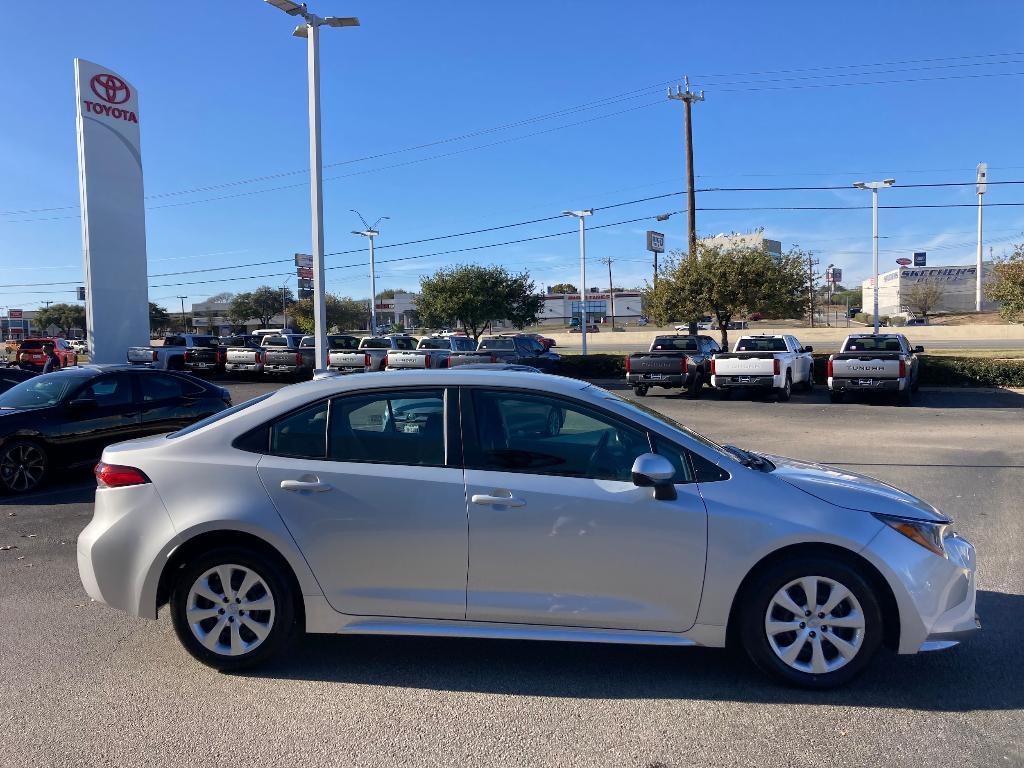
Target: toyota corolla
{"points": [[498, 504]]}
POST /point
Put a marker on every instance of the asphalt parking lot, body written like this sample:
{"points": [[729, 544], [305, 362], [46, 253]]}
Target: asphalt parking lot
{"points": [[85, 685]]}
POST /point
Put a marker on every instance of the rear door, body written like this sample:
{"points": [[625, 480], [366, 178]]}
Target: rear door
{"points": [[115, 417], [371, 487]]}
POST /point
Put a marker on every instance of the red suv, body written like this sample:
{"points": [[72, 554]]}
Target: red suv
{"points": [[32, 358]]}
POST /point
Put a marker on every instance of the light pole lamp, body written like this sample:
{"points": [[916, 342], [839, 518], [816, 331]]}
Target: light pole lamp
{"points": [[582, 215], [370, 232], [311, 31], [874, 186]]}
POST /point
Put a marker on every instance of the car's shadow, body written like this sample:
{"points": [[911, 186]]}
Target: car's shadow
{"points": [[983, 674]]}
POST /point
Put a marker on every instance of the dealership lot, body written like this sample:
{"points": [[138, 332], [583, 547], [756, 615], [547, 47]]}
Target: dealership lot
{"points": [[83, 684]]}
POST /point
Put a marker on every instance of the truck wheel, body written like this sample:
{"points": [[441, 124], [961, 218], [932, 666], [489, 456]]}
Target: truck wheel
{"points": [[783, 393], [640, 391], [695, 386], [835, 397], [724, 394], [904, 397], [809, 384]]}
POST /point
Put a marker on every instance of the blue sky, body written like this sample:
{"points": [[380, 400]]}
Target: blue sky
{"points": [[223, 101]]}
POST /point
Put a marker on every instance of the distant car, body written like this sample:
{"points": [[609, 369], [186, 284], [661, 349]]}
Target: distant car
{"points": [[79, 345], [545, 340], [917, 321], [592, 328], [11, 376], [66, 418], [32, 358]]}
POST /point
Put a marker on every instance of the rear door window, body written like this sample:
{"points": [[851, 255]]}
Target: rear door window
{"points": [[405, 427], [302, 434]]}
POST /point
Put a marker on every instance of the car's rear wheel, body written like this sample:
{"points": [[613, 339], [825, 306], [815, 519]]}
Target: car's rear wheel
{"points": [[835, 397], [640, 391], [23, 466], [784, 392], [811, 622], [904, 397], [232, 608], [696, 385]]}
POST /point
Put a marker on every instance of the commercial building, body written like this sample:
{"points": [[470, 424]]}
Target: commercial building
{"points": [[212, 317], [561, 308], [18, 324], [400, 308], [748, 240], [957, 283]]}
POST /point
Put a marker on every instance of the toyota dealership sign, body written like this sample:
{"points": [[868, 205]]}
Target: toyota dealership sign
{"points": [[113, 217]]}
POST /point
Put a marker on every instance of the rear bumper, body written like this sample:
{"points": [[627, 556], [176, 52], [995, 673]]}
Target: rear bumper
{"points": [[738, 382], [660, 379], [866, 385], [283, 369], [254, 367]]}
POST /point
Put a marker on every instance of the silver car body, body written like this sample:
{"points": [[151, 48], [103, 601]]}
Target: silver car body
{"points": [[566, 558]]}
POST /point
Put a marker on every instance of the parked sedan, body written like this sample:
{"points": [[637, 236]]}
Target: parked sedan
{"points": [[66, 418], [11, 376], [500, 504]]}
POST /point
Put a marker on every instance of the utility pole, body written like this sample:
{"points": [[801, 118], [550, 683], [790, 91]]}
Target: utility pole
{"points": [[611, 289], [688, 97], [47, 303], [982, 186], [284, 306], [183, 329], [811, 262]]}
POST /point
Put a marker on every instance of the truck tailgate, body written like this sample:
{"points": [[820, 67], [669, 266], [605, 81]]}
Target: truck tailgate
{"points": [[654, 362], [397, 359], [348, 360], [866, 366], [140, 355], [470, 358], [243, 355], [756, 364]]}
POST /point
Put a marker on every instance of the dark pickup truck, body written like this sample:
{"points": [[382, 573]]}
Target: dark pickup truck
{"points": [[672, 362], [210, 358], [515, 349], [292, 355]]}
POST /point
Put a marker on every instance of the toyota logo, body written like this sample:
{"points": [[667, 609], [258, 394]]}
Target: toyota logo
{"points": [[110, 88]]}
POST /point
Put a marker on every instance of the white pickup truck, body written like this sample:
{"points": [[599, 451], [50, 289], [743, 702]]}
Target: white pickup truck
{"points": [[369, 357], [432, 352], [771, 363], [869, 363], [171, 356]]}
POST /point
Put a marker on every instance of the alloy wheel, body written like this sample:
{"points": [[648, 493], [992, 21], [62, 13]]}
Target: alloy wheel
{"points": [[230, 610], [22, 467], [815, 624]]}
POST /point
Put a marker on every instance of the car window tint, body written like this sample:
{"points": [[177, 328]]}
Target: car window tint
{"points": [[547, 436], [467, 345], [275, 341], [677, 456], [375, 344], [110, 391], [497, 344], [302, 434], [389, 428], [761, 345], [663, 343], [174, 341], [336, 342], [157, 386], [435, 344], [405, 342]]}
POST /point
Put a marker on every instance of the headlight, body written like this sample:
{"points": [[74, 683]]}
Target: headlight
{"points": [[924, 532]]}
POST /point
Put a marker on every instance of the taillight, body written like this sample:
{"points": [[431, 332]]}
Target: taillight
{"points": [[116, 476], [777, 367], [449, 362], [903, 368], [829, 368], [366, 360], [220, 356], [384, 362], [298, 359], [155, 356], [712, 366], [627, 363], [426, 361], [494, 358], [684, 364]]}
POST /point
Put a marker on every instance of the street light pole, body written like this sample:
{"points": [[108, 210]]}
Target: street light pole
{"points": [[874, 186], [581, 215], [183, 328], [369, 233], [981, 187], [311, 31]]}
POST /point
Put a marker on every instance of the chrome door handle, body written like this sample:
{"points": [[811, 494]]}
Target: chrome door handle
{"points": [[302, 485], [504, 501]]}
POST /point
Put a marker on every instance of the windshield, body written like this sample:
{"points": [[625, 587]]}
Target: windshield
{"points": [[761, 345], [39, 392], [497, 344], [219, 415], [684, 344]]}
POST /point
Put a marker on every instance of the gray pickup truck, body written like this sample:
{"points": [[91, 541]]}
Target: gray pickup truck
{"points": [[283, 356], [369, 355], [432, 352], [869, 363], [672, 362], [511, 349]]}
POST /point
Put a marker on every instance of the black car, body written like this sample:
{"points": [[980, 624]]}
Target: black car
{"points": [[11, 376], [66, 418]]}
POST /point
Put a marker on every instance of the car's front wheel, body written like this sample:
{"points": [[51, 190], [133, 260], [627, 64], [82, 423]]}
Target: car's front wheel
{"points": [[811, 622], [23, 466], [232, 608]]}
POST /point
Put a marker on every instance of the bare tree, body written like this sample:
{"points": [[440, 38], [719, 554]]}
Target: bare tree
{"points": [[923, 298]]}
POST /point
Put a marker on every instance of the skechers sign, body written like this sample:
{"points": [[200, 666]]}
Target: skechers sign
{"points": [[112, 90]]}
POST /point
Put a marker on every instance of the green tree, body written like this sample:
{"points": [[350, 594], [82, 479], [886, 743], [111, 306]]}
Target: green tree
{"points": [[1007, 284], [342, 313], [63, 316], [261, 304], [727, 282], [474, 296], [219, 298], [159, 320], [923, 298], [387, 293], [564, 288]]}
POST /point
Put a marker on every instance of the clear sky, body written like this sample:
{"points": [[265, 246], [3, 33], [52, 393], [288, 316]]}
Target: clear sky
{"points": [[456, 116]]}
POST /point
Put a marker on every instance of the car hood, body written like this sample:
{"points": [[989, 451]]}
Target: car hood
{"points": [[852, 490]]}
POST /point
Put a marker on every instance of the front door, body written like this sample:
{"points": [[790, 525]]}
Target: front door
{"points": [[558, 533], [367, 488], [111, 416]]}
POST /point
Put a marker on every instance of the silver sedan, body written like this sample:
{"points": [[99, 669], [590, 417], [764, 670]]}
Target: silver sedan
{"points": [[477, 503]]}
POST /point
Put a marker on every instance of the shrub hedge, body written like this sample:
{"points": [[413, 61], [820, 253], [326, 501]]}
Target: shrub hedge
{"points": [[936, 370]]}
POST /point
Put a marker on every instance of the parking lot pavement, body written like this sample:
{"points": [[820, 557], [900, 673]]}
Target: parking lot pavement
{"points": [[85, 685]]}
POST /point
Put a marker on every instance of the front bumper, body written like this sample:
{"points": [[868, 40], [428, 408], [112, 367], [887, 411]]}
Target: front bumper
{"points": [[935, 596]]}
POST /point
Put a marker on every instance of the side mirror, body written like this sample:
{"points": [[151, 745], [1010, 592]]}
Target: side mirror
{"points": [[653, 471], [82, 403], [918, 350], [808, 349]]}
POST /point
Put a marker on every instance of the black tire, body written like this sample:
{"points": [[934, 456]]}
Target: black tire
{"points": [[784, 392], [835, 397], [695, 386], [23, 466], [640, 391], [904, 397], [758, 598], [724, 393], [809, 384], [278, 583], [916, 386]]}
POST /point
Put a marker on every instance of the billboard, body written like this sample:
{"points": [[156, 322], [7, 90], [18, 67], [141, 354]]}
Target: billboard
{"points": [[655, 241], [920, 258], [15, 314], [113, 217]]}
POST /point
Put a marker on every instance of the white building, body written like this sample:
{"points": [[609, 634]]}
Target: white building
{"points": [[560, 308], [958, 285], [401, 308], [748, 240]]}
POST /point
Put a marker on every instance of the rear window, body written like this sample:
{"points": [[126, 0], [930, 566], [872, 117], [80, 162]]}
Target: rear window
{"points": [[405, 342], [235, 341], [667, 343], [204, 341], [873, 344], [174, 341], [375, 344], [435, 344], [343, 342], [761, 345], [498, 344], [218, 416], [30, 345], [275, 341]]}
